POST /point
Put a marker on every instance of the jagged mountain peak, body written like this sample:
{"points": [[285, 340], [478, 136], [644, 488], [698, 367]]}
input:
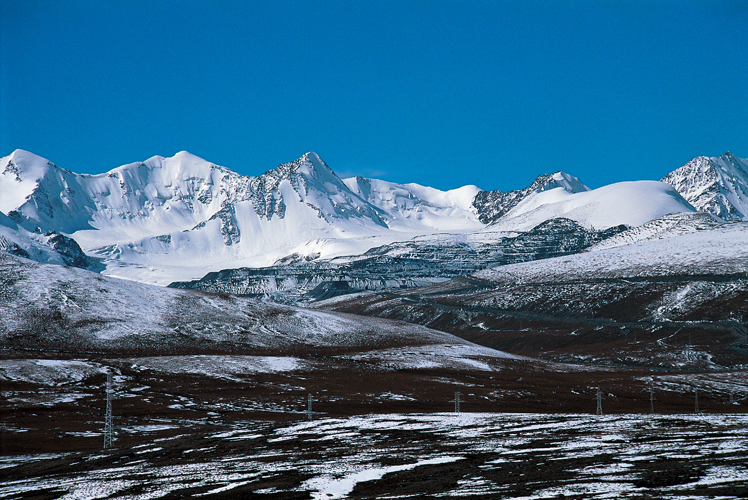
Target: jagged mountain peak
{"points": [[493, 205], [718, 185], [316, 185], [309, 166], [730, 163], [563, 180]]}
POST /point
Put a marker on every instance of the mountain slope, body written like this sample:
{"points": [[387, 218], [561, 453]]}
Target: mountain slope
{"points": [[718, 185], [414, 206], [47, 307], [623, 203], [561, 195], [675, 302], [404, 264]]}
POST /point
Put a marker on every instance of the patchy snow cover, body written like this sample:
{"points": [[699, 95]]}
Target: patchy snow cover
{"points": [[458, 357], [660, 228], [48, 372], [226, 367], [498, 455], [332, 486]]}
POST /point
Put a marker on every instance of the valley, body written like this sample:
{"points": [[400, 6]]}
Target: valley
{"points": [[354, 338]]}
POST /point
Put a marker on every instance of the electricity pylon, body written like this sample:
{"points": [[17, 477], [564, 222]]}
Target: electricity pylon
{"points": [[457, 401], [108, 426], [651, 400], [696, 399]]}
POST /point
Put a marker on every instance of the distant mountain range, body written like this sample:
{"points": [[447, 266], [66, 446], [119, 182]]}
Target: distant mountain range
{"points": [[178, 218]]}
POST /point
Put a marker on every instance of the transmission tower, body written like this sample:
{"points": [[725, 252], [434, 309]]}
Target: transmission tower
{"points": [[457, 401], [651, 400], [696, 399], [599, 402], [309, 407], [108, 426]]}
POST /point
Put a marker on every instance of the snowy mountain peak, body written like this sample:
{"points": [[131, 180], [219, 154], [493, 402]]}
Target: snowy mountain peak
{"points": [[494, 205], [567, 182], [22, 175], [25, 167], [315, 185], [718, 185]]}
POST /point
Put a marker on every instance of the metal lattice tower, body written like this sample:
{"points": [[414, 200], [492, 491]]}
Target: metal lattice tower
{"points": [[108, 426], [599, 402], [696, 399], [309, 407], [651, 400], [457, 401]]}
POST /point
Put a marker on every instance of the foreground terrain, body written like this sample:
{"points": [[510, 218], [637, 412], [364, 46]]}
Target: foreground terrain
{"points": [[475, 455], [212, 391]]}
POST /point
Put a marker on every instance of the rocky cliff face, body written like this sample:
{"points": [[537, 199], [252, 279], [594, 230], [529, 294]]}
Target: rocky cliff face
{"points": [[553, 238], [401, 265]]}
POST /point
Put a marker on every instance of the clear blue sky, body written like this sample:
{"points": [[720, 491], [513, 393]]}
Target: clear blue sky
{"points": [[442, 93]]}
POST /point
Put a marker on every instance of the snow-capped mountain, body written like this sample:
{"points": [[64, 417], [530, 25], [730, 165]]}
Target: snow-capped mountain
{"points": [[718, 185], [412, 205], [50, 247], [143, 217], [624, 203], [561, 195], [492, 206], [178, 218]]}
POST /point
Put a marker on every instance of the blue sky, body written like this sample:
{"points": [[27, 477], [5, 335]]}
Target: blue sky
{"points": [[442, 93]]}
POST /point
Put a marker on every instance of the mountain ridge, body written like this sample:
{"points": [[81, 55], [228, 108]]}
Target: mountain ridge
{"points": [[177, 218]]}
